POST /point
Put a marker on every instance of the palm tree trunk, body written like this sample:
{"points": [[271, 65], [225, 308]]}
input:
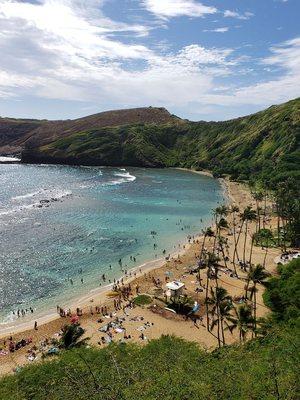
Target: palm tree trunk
{"points": [[223, 254], [244, 251], [251, 250], [265, 210], [206, 300], [237, 242], [215, 238], [222, 330], [267, 248], [201, 253], [218, 326], [254, 313], [202, 247], [257, 225], [284, 233], [278, 225], [266, 253], [234, 239], [247, 286]]}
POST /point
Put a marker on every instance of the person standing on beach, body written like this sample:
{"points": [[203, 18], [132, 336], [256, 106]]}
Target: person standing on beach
{"points": [[35, 325]]}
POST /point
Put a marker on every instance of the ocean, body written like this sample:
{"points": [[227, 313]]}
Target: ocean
{"points": [[62, 227]]}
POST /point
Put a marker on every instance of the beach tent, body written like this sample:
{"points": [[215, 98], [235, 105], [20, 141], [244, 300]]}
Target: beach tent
{"points": [[175, 287]]}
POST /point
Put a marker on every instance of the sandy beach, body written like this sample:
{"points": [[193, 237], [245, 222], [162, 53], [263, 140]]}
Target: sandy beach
{"points": [[152, 322]]}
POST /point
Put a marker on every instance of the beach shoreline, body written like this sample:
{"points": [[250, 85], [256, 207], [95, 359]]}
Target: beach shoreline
{"points": [[238, 194], [85, 299]]}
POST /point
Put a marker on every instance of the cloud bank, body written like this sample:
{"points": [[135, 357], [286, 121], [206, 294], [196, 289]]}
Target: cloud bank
{"points": [[70, 51]]}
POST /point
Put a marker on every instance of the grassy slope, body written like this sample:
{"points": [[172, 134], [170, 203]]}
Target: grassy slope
{"points": [[170, 368], [257, 144], [17, 132]]}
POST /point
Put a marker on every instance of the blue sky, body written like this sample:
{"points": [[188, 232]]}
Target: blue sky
{"points": [[210, 59]]}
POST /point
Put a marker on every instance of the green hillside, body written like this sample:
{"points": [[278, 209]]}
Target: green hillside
{"points": [[265, 145]]}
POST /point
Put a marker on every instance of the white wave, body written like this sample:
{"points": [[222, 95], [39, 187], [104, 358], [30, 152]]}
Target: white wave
{"points": [[123, 177], [115, 182], [6, 159], [18, 209], [25, 196], [44, 194], [118, 182], [50, 195], [126, 175]]}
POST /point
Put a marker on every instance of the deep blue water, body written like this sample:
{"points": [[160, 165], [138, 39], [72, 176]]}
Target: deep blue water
{"points": [[94, 217]]}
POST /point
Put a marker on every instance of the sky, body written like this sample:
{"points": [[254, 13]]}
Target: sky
{"points": [[202, 60]]}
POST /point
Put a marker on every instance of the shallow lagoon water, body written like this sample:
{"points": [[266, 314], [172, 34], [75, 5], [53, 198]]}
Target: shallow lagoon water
{"points": [[60, 222]]}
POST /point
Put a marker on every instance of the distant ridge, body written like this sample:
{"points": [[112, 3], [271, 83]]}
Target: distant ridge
{"points": [[14, 133], [265, 144]]}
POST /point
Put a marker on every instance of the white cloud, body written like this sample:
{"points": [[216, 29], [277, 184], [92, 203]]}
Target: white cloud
{"points": [[177, 8], [69, 24], [286, 86], [286, 55], [67, 50], [235, 14], [64, 52], [218, 30]]}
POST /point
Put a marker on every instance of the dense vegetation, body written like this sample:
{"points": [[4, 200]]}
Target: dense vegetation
{"points": [[264, 145], [283, 294], [170, 368]]}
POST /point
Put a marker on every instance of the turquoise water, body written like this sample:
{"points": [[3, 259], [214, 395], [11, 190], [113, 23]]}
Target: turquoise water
{"points": [[59, 223]]}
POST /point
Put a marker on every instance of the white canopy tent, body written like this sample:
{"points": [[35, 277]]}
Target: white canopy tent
{"points": [[175, 288]]}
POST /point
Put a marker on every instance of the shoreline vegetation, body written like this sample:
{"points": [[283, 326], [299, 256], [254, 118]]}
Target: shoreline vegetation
{"points": [[151, 282]]}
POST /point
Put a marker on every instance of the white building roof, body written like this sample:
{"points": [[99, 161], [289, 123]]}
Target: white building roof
{"points": [[175, 285]]}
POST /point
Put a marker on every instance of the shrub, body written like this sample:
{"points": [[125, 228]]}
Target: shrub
{"points": [[142, 300]]}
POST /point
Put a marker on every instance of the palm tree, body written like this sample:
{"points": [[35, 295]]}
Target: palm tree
{"points": [[208, 232], [222, 224], [211, 261], [219, 212], [257, 274], [234, 210], [222, 242], [219, 300], [268, 236], [242, 320], [238, 236], [247, 216], [251, 248], [225, 313], [258, 197]]}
